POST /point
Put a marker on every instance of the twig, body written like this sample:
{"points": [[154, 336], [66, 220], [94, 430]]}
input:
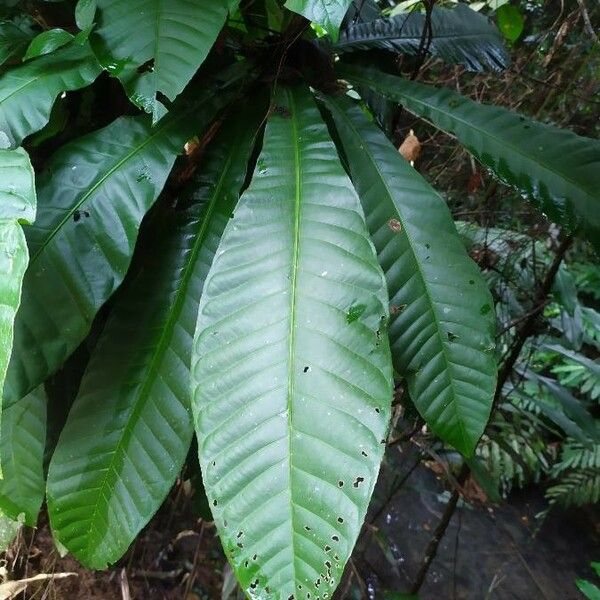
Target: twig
{"points": [[440, 530]]}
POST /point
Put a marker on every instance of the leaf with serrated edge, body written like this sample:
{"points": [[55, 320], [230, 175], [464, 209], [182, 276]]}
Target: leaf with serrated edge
{"points": [[92, 198], [291, 372], [102, 489], [442, 318], [554, 167]]}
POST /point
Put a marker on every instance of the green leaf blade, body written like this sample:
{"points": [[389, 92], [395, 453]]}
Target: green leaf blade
{"points": [[28, 92], [171, 41], [291, 400], [47, 42], [459, 36], [93, 196], [22, 445], [442, 324], [329, 14], [137, 384], [557, 169]]}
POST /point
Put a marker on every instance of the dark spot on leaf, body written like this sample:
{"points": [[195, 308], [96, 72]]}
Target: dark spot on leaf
{"points": [[340, 483], [427, 246], [395, 225], [452, 337], [485, 309], [377, 409], [328, 564], [240, 534], [76, 216], [240, 545], [327, 548], [471, 282], [282, 111], [364, 453], [214, 502], [354, 312], [358, 481], [255, 557], [340, 520], [306, 369], [307, 528], [335, 538]]}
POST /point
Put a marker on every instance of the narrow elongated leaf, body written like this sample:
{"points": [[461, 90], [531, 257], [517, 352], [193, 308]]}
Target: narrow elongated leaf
{"points": [[93, 196], [22, 445], [557, 169], [459, 36], [17, 205], [291, 371], [28, 92], [329, 14], [171, 41], [442, 318], [102, 489]]}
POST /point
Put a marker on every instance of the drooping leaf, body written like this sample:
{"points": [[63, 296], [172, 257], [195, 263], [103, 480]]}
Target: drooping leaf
{"points": [[102, 489], [22, 444], [28, 92], [329, 14], [459, 36], [554, 167], [171, 41], [47, 42], [93, 196], [14, 39], [361, 11], [291, 373], [442, 318], [17, 205]]}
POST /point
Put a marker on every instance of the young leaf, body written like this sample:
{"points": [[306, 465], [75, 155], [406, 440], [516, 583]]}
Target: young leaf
{"points": [[22, 445], [137, 384], [28, 92], [459, 36], [510, 21], [442, 319], [17, 205], [93, 196], [291, 372], [329, 14], [47, 42], [171, 41], [554, 167]]}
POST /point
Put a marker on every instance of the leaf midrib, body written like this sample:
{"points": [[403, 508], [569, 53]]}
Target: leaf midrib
{"points": [[167, 330], [293, 299], [367, 150], [159, 131], [484, 132]]}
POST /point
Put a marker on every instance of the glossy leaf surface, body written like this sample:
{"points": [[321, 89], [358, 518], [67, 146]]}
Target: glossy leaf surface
{"points": [[291, 371], [559, 170], [28, 92], [92, 198], [442, 318], [103, 488], [459, 36], [329, 14], [155, 46]]}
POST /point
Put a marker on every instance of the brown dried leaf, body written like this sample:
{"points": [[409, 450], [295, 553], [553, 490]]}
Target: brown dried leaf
{"points": [[410, 147]]}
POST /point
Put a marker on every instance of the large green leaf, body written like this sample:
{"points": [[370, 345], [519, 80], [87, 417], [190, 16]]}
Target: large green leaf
{"points": [[554, 167], [28, 92], [92, 198], [156, 46], [102, 489], [291, 371], [442, 319], [459, 36], [329, 14], [17, 205], [22, 445]]}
